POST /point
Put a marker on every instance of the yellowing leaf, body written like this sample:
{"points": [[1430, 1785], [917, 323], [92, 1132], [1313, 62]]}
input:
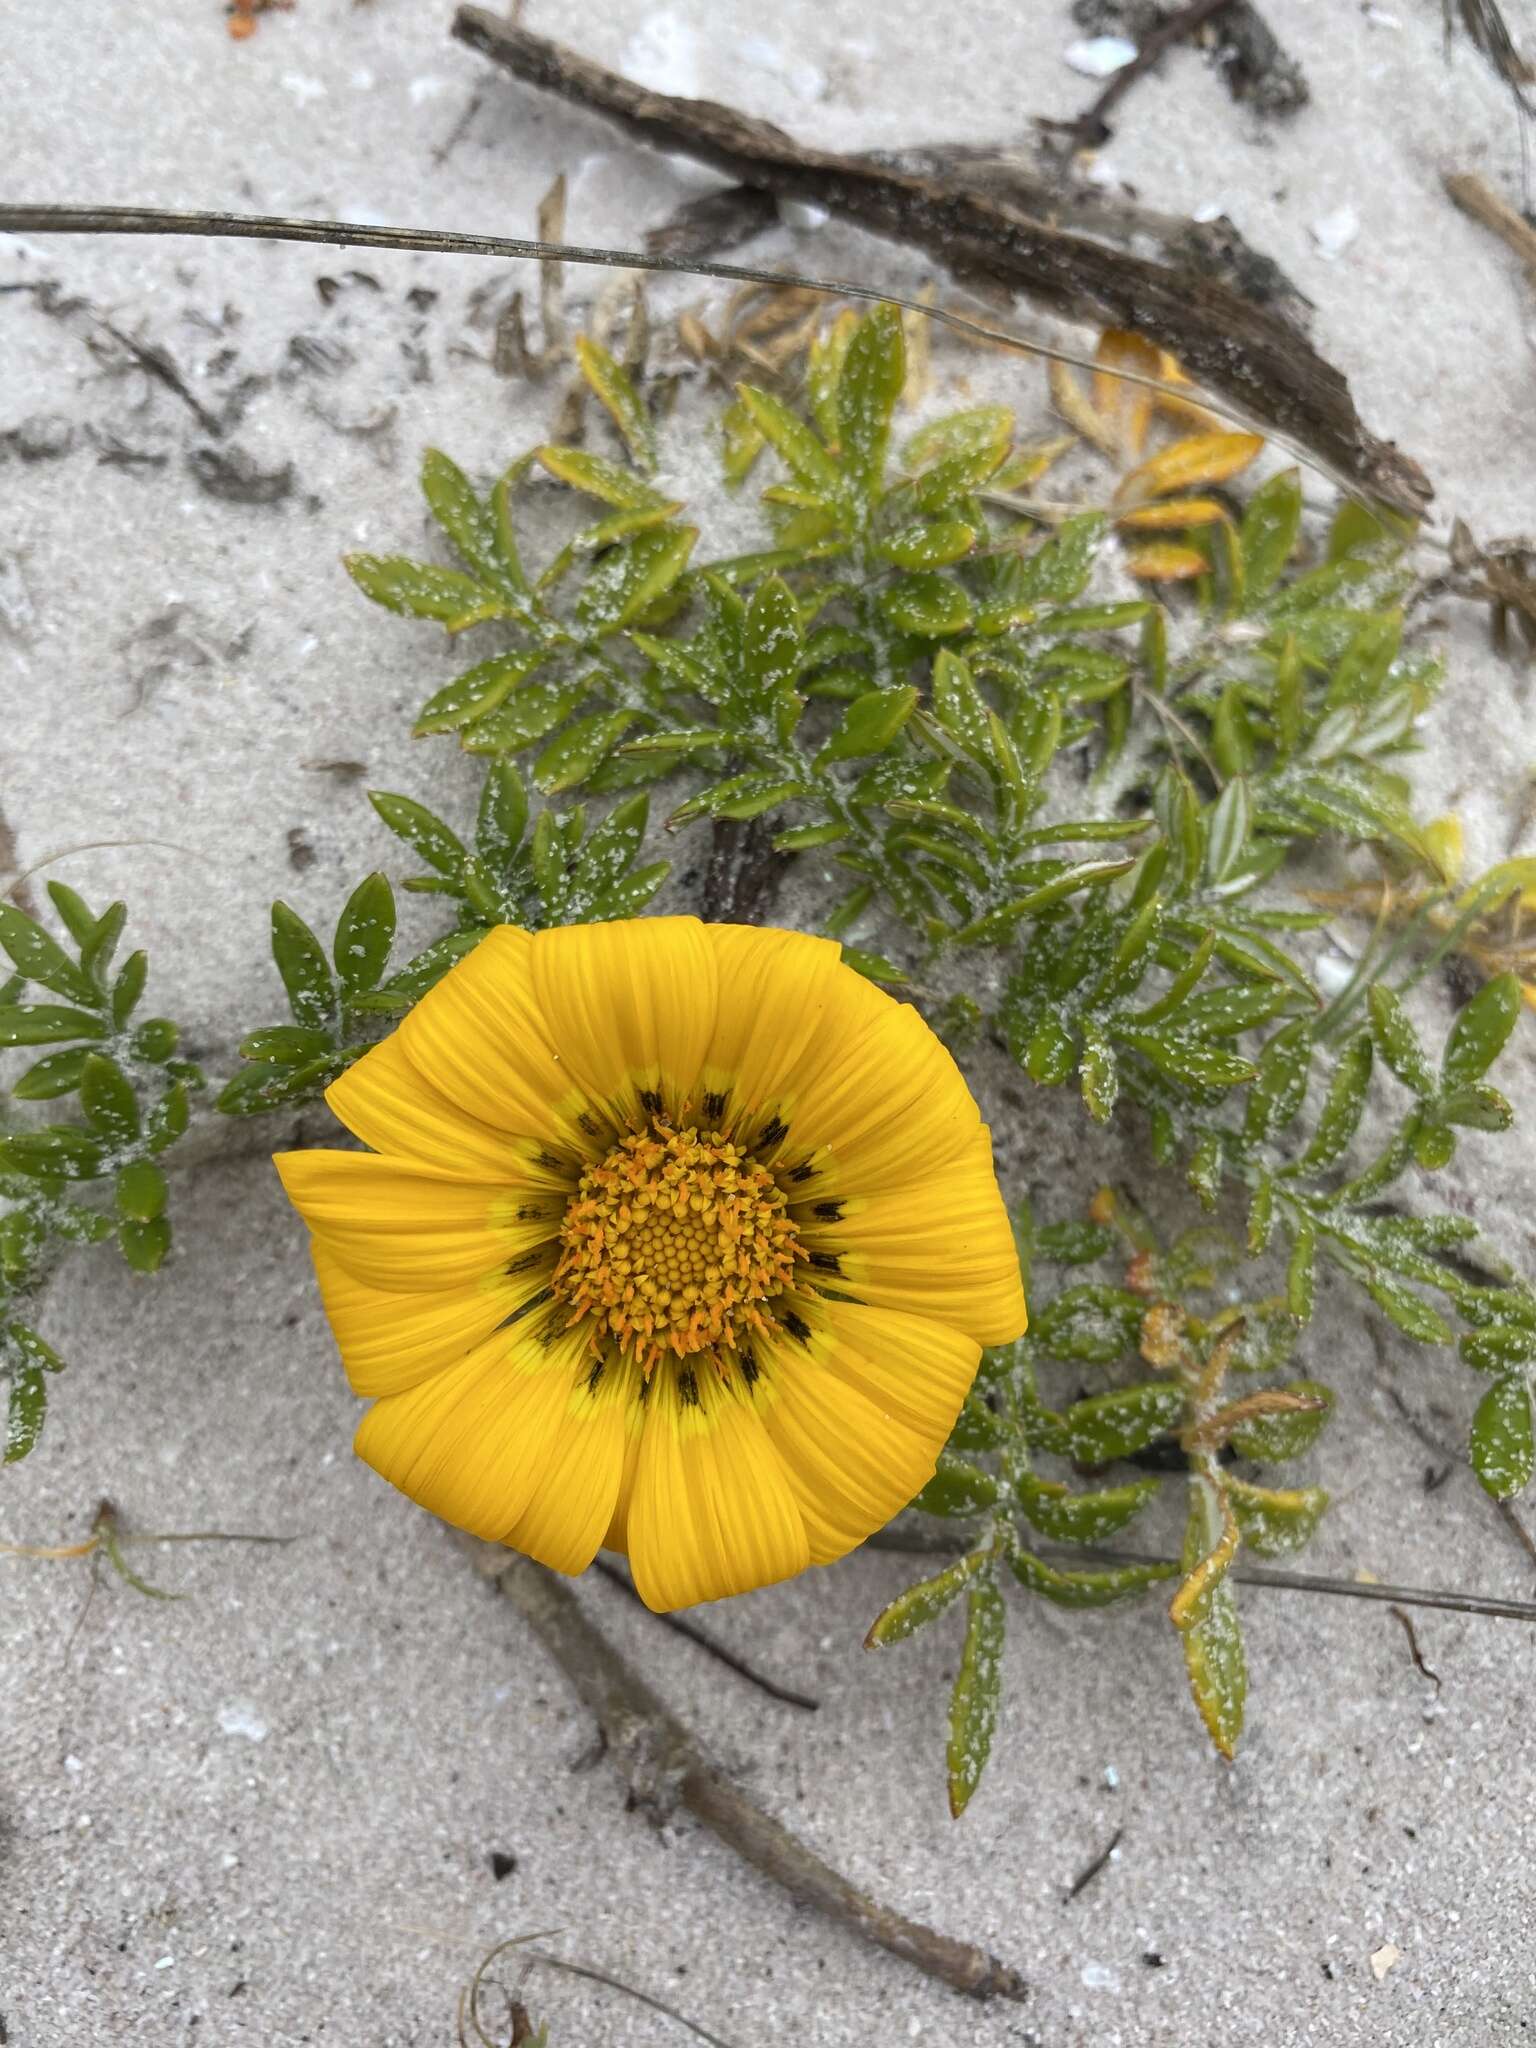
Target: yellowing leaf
{"points": [[1077, 409], [1125, 407], [1164, 561], [1027, 465], [1202, 459], [1175, 512], [1445, 845], [1176, 407]]}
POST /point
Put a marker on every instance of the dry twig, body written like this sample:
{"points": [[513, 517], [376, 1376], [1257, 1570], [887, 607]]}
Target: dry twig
{"points": [[1222, 339], [667, 1769]]}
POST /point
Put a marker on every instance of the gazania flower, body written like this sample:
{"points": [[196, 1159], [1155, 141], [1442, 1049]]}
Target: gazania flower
{"points": [[676, 1239]]}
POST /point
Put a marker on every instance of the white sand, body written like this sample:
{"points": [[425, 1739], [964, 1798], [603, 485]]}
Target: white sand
{"points": [[266, 1813]]}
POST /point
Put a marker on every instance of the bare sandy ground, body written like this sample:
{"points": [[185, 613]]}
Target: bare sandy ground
{"points": [[269, 1812]]}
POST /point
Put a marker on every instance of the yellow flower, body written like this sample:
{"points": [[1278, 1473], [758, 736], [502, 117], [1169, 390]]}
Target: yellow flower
{"points": [[676, 1239]]}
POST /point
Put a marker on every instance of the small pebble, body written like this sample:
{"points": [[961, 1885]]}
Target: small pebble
{"points": [[1100, 56], [1335, 231]]}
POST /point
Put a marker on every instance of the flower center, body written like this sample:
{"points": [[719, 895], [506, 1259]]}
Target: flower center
{"points": [[673, 1242]]}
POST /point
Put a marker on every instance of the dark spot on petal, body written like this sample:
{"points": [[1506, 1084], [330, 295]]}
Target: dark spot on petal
{"points": [[714, 1107], [529, 1214], [826, 1262], [751, 1371], [796, 1327], [688, 1387], [806, 1172], [773, 1131], [550, 1163], [830, 1212], [534, 1301], [644, 1393], [650, 1101], [526, 1261], [588, 1123], [594, 1377]]}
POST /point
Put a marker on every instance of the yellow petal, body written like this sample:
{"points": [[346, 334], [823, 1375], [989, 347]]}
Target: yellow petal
{"points": [[387, 1101], [409, 1230], [475, 1443], [887, 1109], [912, 1368], [479, 1038], [941, 1248], [712, 1512], [575, 1499], [389, 1342], [851, 1462], [630, 1008], [787, 1006]]}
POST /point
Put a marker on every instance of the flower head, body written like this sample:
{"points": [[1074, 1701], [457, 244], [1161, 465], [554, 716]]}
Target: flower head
{"points": [[676, 1239]]}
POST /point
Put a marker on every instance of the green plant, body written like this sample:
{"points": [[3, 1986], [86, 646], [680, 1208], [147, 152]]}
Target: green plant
{"points": [[1063, 813]]}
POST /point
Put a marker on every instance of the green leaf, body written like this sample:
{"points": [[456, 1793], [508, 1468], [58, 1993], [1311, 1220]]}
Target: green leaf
{"points": [[1085, 1589], [1398, 1042], [874, 370], [870, 724], [600, 478], [957, 1488], [144, 1245], [526, 716], [1344, 1107], [141, 1192], [305, 971], [107, 1097], [1114, 1425], [771, 645], [421, 590], [1088, 1325], [1480, 1031], [1230, 823], [128, 988], [1269, 532], [741, 796], [929, 604], [924, 1602], [1503, 1445], [1478, 1108], [1274, 1522], [792, 439], [1084, 874], [1190, 1060], [57, 1073], [46, 1024], [573, 754], [1270, 1439], [477, 691], [1412, 1314], [1059, 571], [75, 914], [611, 385], [1074, 1244], [978, 1687], [154, 1040], [469, 523], [927, 544], [25, 1410], [1064, 1517], [425, 834], [41, 958], [1218, 1670], [365, 932], [61, 1152], [1301, 1273], [959, 706]]}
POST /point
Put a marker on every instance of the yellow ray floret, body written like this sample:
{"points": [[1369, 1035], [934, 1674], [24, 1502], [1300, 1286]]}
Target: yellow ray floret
{"points": [[674, 1238]]}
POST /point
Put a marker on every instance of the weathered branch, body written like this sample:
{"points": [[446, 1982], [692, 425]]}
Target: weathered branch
{"points": [[1229, 344], [666, 1768], [1091, 128]]}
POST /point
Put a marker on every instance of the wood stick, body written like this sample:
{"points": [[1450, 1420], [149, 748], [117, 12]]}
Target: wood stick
{"points": [[666, 1768], [1479, 200], [1232, 346], [1091, 128]]}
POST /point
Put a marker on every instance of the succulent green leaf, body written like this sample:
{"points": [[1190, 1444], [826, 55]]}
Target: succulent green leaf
{"points": [[1269, 532], [41, 958], [46, 1024], [422, 590], [425, 834], [470, 523], [1270, 1439], [870, 724], [477, 691], [924, 1602], [128, 988], [305, 971], [612, 386], [874, 370], [1344, 1106], [957, 1488], [1276, 1522], [1398, 1042], [792, 439], [1480, 1031], [1063, 1517], [26, 1409], [978, 1690], [1412, 1314], [1085, 1589], [107, 1097], [928, 604], [365, 932], [141, 1192], [57, 1073], [1503, 1444]]}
